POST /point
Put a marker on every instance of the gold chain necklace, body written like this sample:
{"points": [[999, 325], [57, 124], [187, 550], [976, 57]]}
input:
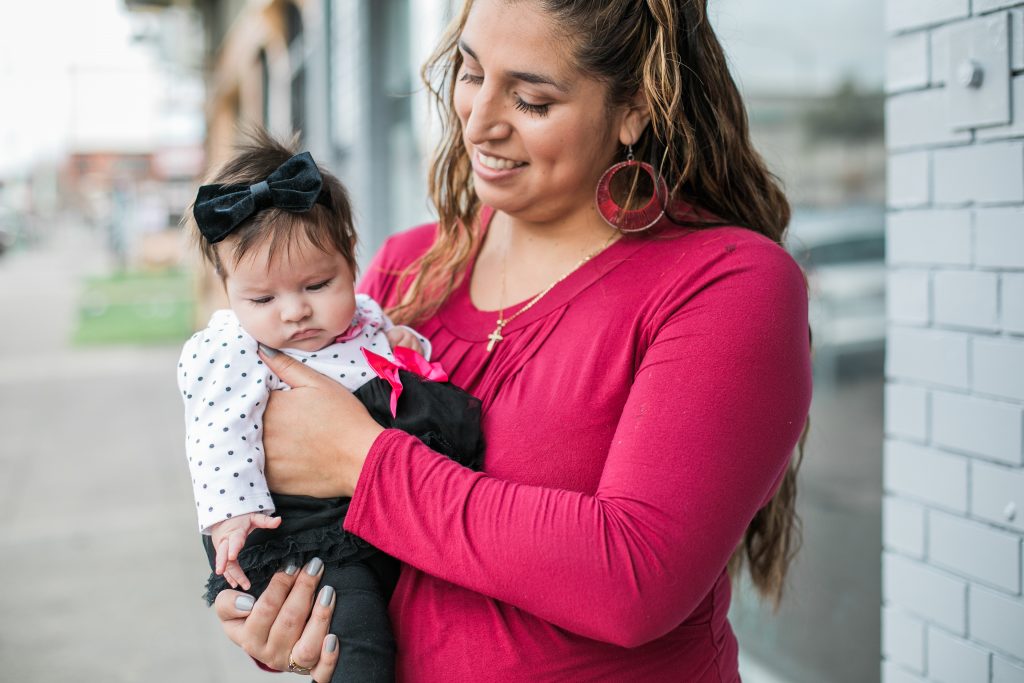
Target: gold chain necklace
{"points": [[495, 336]]}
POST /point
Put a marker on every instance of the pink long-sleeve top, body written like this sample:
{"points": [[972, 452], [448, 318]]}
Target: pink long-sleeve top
{"points": [[636, 418]]}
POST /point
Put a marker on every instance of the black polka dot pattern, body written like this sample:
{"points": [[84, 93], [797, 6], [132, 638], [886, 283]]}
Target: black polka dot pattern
{"points": [[224, 387]]}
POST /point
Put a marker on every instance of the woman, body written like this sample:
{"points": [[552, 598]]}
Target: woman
{"points": [[641, 400]]}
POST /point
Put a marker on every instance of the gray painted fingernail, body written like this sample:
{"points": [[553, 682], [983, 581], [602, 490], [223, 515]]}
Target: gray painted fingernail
{"points": [[291, 568], [314, 566], [267, 351], [331, 644], [326, 595], [244, 603]]}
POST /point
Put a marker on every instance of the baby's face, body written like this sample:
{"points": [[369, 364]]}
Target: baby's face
{"points": [[302, 299]]}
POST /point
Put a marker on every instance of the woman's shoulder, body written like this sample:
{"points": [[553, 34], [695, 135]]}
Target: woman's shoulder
{"points": [[723, 248], [726, 267]]}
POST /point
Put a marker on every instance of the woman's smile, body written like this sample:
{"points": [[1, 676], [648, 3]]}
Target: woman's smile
{"points": [[497, 163], [492, 169]]}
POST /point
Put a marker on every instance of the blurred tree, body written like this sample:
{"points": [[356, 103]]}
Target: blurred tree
{"points": [[848, 115]]}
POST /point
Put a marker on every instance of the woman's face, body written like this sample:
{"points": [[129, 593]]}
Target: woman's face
{"points": [[538, 131]]}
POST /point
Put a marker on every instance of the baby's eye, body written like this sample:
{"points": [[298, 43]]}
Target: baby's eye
{"points": [[319, 286], [262, 300]]}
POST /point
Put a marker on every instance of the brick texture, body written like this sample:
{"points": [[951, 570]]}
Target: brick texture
{"points": [[953, 475]]}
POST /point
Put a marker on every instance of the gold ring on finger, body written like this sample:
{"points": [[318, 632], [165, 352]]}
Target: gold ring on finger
{"points": [[298, 668]]}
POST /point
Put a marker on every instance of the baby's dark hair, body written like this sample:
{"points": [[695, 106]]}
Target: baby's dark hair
{"points": [[327, 226]]}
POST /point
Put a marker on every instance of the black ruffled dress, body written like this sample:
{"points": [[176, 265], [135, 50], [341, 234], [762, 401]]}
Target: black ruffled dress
{"points": [[445, 418]]}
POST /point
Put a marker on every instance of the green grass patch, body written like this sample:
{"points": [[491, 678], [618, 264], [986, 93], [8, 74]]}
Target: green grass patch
{"points": [[136, 308]]}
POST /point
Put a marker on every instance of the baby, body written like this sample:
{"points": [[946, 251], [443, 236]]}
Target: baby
{"points": [[278, 231]]}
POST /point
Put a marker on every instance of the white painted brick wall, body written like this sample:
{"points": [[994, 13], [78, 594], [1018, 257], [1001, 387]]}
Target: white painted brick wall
{"points": [[1016, 127], [908, 179], [1005, 671], [1012, 302], [903, 639], [917, 119], [906, 62], [981, 6], [907, 14], [926, 475], [989, 173], [954, 660], [903, 526], [997, 620], [1017, 40], [894, 673], [997, 367], [978, 426], [906, 411], [929, 238], [939, 53], [908, 296], [997, 494], [934, 595], [975, 551], [935, 356], [965, 298], [953, 509], [999, 236]]}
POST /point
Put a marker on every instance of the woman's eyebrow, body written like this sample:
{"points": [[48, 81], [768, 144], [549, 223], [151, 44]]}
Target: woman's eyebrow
{"points": [[525, 76]]}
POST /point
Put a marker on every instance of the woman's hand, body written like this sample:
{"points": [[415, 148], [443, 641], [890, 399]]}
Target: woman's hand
{"points": [[316, 436], [285, 629]]}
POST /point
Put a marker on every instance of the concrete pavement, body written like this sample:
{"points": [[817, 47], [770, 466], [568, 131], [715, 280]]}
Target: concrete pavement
{"points": [[101, 568]]}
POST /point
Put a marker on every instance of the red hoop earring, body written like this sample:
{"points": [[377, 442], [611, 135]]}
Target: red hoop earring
{"points": [[631, 220]]}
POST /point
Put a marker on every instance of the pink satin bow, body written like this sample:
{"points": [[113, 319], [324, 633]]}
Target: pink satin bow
{"points": [[405, 359]]}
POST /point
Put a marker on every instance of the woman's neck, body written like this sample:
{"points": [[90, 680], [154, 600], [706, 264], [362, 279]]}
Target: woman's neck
{"points": [[520, 258], [571, 237]]}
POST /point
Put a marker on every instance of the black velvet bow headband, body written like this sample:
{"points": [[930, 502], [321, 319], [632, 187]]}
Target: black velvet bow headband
{"points": [[295, 186]]}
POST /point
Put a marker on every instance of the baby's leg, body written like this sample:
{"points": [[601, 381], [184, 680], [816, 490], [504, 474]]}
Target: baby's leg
{"points": [[362, 625]]}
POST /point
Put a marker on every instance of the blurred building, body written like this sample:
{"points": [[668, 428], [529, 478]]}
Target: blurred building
{"points": [[132, 181], [342, 75], [827, 148]]}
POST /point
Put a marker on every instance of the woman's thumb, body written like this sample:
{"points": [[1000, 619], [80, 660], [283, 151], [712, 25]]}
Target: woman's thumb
{"points": [[290, 371]]}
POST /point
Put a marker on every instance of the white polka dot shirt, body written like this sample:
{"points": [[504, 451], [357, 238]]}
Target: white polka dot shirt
{"points": [[225, 386]]}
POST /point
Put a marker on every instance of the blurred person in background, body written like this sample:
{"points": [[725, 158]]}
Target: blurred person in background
{"points": [[606, 276]]}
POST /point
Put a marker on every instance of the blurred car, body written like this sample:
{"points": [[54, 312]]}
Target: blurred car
{"points": [[843, 253]]}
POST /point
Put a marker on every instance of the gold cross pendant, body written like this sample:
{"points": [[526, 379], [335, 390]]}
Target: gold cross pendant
{"points": [[495, 336]]}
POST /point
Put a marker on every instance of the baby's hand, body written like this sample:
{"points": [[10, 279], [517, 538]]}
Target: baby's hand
{"points": [[402, 336], [229, 537]]}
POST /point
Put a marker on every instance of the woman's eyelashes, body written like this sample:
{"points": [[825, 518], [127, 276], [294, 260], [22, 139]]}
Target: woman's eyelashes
{"points": [[536, 109], [520, 103]]}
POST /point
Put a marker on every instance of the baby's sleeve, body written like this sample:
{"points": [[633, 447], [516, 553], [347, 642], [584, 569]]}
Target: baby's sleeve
{"points": [[224, 387], [371, 310]]}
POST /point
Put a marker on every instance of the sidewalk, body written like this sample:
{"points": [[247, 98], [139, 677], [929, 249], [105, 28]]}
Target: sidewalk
{"points": [[102, 566]]}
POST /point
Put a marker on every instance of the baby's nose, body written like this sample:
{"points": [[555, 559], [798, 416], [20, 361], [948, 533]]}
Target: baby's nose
{"points": [[296, 310]]}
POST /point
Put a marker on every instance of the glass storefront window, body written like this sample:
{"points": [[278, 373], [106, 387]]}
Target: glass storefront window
{"points": [[816, 109]]}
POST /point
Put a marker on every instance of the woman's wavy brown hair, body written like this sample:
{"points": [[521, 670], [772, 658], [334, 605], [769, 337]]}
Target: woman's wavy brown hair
{"points": [[699, 140]]}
